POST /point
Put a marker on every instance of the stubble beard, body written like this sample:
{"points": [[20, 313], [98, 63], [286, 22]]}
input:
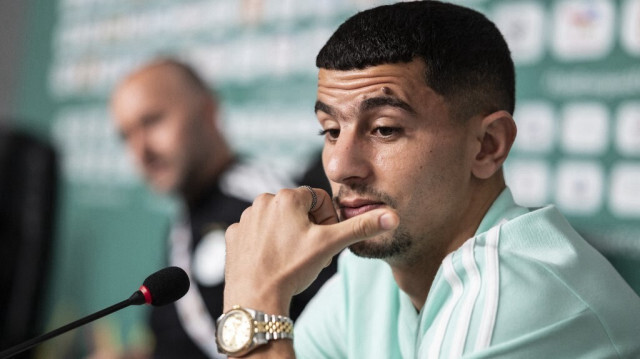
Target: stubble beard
{"points": [[395, 245], [385, 246]]}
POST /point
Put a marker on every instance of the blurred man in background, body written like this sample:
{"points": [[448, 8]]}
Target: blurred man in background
{"points": [[168, 118]]}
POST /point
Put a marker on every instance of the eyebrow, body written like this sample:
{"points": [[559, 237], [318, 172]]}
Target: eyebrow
{"points": [[321, 106], [375, 102], [369, 104]]}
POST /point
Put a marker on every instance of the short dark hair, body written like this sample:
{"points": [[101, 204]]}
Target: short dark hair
{"points": [[467, 60]]}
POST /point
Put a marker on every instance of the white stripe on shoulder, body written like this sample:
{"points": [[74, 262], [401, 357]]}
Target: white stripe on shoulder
{"points": [[492, 289], [444, 318], [247, 181], [469, 301]]}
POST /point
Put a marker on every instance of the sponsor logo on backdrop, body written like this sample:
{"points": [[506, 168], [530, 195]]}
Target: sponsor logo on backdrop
{"points": [[579, 187], [628, 129], [624, 197], [536, 127], [630, 33], [522, 25], [529, 181], [585, 128], [583, 29]]}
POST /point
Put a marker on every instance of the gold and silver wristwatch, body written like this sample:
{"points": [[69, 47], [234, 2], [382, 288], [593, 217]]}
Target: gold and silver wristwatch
{"points": [[240, 330]]}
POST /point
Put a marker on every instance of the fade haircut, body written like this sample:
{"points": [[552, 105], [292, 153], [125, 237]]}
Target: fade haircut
{"points": [[467, 60]]}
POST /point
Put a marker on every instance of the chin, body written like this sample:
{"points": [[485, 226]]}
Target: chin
{"points": [[383, 247]]}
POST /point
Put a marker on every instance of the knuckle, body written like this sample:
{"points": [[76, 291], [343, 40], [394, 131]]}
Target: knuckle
{"points": [[288, 195], [262, 198], [231, 230], [232, 227], [245, 214]]}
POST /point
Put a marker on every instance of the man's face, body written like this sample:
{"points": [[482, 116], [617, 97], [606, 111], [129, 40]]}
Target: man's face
{"points": [[157, 115], [389, 141]]}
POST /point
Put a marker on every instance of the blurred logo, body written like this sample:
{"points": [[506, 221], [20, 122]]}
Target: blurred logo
{"points": [[585, 128], [580, 187], [522, 25], [529, 180], [624, 198], [583, 29], [536, 125], [630, 34], [628, 129]]}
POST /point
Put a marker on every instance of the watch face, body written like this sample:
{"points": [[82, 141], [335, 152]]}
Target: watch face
{"points": [[235, 331]]}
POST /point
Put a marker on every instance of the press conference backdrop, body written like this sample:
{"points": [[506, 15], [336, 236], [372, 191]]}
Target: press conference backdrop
{"points": [[578, 116]]}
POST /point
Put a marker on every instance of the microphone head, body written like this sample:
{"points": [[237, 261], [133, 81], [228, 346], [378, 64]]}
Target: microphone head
{"points": [[165, 286]]}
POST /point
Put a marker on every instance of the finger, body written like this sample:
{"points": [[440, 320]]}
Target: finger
{"points": [[323, 212], [362, 227], [262, 200]]}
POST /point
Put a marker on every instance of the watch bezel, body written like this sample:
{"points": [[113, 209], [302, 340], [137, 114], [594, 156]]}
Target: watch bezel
{"points": [[220, 329]]}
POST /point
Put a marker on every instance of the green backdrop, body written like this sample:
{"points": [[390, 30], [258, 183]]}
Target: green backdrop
{"points": [[578, 113]]}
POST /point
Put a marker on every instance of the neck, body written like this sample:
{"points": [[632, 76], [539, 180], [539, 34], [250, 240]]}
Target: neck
{"points": [[415, 276]]}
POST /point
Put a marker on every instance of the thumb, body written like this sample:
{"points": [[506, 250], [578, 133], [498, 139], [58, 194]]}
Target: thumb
{"points": [[364, 226]]}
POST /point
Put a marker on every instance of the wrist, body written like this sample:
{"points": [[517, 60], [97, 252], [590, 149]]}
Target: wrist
{"points": [[266, 300]]}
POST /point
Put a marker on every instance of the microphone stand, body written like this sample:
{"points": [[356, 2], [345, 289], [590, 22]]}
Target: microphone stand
{"points": [[135, 299]]}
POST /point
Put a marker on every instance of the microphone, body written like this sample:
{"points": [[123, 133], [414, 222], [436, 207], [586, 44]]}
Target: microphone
{"points": [[160, 288]]}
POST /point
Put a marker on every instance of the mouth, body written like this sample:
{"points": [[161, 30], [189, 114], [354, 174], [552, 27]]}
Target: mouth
{"points": [[352, 208], [154, 164], [155, 170]]}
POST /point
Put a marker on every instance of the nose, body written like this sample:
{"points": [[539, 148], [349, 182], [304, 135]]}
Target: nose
{"points": [[347, 160]]}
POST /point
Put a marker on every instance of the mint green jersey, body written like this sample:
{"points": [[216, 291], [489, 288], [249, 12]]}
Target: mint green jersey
{"points": [[525, 286]]}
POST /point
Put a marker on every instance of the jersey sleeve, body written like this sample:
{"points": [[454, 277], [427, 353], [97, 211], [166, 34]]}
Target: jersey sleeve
{"points": [[562, 339]]}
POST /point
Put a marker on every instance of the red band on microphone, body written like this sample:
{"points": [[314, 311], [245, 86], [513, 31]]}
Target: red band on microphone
{"points": [[146, 293]]}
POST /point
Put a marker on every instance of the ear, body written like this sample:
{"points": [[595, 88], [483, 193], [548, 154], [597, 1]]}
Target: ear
{"points": [[496, 134]]}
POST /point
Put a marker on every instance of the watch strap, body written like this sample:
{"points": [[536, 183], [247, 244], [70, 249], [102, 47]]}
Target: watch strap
{"points": [[274, 326]]}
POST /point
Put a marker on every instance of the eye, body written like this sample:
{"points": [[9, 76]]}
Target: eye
{"points": [[386, 132], [152, 119], [330, 133]]}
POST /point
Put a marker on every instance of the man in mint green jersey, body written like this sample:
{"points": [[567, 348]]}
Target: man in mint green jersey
{"points": [[415, 101]]}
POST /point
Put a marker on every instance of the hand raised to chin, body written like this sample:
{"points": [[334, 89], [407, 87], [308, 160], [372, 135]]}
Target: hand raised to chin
{"points": [[280, 246]]}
